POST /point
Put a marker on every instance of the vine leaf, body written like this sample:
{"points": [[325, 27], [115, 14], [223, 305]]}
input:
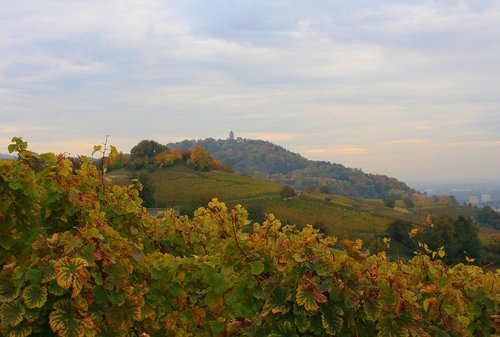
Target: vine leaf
{"points": [[69, 272], [55, 289], [305, 297], [332, 318], [66, 321], [20, 330], [372, 308], [11, 313], [31, 315], [121, 315], [257, 267], [35, 296], [97, 148], [277, 301], [8, 291], [390, 328]]}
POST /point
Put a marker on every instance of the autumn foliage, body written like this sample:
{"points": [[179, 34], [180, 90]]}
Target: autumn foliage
{"points": [[80, 257]]}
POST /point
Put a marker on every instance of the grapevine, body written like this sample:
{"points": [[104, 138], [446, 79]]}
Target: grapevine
{"points": [[80, 257]]}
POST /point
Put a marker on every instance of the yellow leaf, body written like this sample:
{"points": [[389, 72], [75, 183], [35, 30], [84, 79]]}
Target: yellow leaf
{"points": [[412, 233], [96, 149], [427, 302], [67, 322], [68, 273], [113, 155], [469, 259], [441, 252], [305, 298], [35, 296]]}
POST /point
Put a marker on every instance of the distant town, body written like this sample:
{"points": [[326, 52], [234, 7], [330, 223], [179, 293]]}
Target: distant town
{"points": [[473, 193]]}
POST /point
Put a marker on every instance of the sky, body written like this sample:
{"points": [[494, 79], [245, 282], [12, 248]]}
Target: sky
{"points": [[410, 89]]}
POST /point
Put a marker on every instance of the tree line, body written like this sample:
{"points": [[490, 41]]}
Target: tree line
{"points": [[149, 154]]}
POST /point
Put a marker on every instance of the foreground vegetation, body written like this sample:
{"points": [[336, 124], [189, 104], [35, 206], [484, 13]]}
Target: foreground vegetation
{"points": [[80, 257]]}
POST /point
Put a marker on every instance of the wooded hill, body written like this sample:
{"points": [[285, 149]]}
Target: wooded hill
{"points": [[265, 160]]}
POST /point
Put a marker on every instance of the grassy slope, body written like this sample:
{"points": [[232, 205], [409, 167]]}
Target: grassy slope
{"points": [[340, 221], [182, 187]]}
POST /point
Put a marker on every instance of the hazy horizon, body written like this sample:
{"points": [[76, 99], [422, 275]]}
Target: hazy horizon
{"points": [[406, 89]]}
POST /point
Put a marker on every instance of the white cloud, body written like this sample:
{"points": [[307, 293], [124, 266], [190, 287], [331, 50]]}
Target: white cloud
{"points": [[336, 80]]}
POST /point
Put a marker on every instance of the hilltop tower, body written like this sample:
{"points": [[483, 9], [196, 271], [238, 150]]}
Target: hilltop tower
{"points": [[231, 135]]}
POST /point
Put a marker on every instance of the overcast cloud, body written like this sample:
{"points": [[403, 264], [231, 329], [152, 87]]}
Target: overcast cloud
{"points": [[404, 88]]}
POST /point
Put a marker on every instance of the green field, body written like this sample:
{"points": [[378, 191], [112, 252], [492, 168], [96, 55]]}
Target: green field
{"points": [[181, 187]]}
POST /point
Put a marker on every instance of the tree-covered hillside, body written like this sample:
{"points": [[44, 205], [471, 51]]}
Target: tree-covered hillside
{"points": [[266, 160]]}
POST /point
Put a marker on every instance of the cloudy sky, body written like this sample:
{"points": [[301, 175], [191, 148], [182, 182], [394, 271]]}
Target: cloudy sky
{"points": [[409, 89]]}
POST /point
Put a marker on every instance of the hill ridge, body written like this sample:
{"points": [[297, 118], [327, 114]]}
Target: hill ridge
{"points": [[265, 160]]}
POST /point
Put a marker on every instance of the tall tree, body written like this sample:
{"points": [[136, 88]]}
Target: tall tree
{"points": [[288, 192], [148, 189], [468, 238], [409, 202], [147, 149], [200, 160]]}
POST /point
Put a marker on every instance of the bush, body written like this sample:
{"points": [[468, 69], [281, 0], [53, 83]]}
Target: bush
{"points": [[389, 202]]}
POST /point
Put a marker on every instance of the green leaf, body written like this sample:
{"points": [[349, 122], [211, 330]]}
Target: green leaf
{"points": [[8, 291], [332, 318], [35, 296], [16, 184], [95, 233], [34, 275], [66, 321], [49, 158], [100, 295], [302, 321], [121, 315], [55, 289], [389, 327], [31, 315], [20, 330], [11, 314], [449, 309], [257, 267], [11, 148], [217, 282], [372, 308], [278, 301], [96, 149]]}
